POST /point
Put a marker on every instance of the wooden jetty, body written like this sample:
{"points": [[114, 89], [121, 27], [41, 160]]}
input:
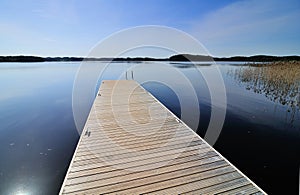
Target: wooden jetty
{"points": [[132, 144]]}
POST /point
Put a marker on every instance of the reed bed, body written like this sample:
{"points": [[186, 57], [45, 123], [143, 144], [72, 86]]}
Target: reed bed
{"points": [[279, 81]]}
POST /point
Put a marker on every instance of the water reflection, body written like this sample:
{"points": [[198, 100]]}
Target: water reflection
{"points": [[189, 64], [38, 134], [278, 81]]}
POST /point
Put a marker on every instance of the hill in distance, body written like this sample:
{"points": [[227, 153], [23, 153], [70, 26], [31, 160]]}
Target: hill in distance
{"points": [[178, 58]]}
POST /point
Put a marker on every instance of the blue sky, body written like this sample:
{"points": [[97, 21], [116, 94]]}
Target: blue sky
{"points": [[225, 28]]}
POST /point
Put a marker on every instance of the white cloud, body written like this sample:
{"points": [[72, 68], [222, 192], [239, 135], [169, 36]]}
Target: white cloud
{"points": [[247, 22]]}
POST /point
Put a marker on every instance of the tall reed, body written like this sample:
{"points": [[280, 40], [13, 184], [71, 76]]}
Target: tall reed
{"points": [[278, 81]]}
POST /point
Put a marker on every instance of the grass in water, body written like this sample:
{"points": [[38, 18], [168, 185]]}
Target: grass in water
{"points": [[278, 81]]}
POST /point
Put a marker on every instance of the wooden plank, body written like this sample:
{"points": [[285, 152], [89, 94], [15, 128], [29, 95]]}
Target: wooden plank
{"points": [[149, 162], [195, 150], [216, 187], [130, 156], [246, 189], [159, 182], [132, 144], [92, 181]]}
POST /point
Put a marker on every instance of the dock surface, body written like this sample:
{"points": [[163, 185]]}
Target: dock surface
{"points": [[132, 144]]}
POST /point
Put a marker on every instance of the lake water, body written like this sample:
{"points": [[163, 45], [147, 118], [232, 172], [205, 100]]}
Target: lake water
{"points": [[260, 136]]}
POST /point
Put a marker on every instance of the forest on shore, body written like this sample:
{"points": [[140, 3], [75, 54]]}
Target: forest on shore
{"points": [[179, 57]]}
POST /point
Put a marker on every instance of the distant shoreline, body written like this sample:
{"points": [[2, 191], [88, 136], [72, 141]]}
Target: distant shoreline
{"points": [[178, 58]]}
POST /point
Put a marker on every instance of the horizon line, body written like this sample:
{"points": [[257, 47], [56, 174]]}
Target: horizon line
{"points": [[109, 57]]}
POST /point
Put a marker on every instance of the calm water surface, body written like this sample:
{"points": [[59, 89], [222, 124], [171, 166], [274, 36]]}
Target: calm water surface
{"points": [[38, 134]]}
